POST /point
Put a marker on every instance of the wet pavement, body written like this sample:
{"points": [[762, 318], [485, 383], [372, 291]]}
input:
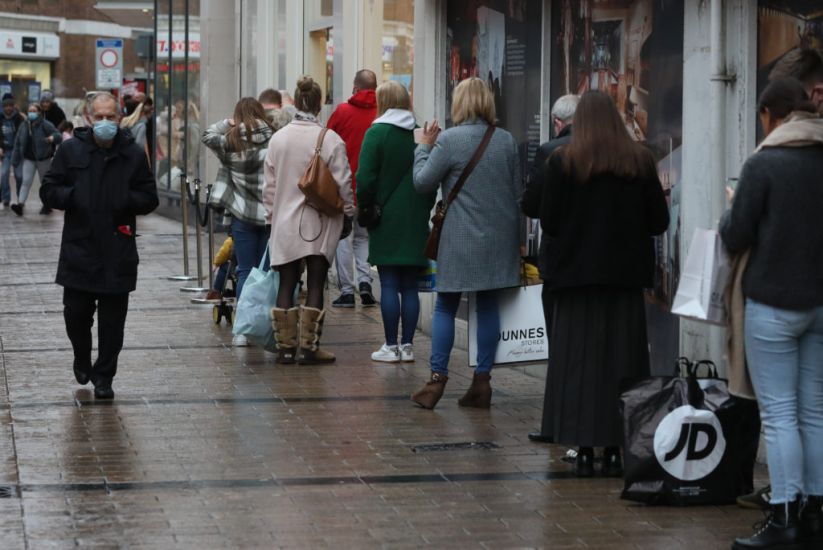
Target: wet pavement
{"points": [[209, 446]]}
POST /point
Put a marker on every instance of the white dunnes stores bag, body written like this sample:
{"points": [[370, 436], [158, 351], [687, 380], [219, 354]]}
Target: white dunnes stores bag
{"points": [[704, 279]]}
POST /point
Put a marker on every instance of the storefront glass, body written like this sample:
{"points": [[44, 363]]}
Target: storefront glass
{"points": [[396, 44], [24, 79], [500, 41], [177, 93], [782, 26]]}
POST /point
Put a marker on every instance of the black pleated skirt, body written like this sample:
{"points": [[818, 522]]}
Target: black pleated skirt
{"points": [[598, 347]]}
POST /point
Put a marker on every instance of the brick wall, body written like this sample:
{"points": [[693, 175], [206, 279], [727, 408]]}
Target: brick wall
{"points": [[73, 9], [73, 74]]}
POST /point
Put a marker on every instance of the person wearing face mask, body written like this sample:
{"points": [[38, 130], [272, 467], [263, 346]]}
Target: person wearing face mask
{"points": [[102, 181], [33, 149], [10, 121]]}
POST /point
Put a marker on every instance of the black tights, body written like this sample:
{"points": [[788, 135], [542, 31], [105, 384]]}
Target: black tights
{"points": [[317, 268]]}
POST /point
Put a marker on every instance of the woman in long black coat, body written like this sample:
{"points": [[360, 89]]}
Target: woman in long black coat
{"points": [[602, 205]]}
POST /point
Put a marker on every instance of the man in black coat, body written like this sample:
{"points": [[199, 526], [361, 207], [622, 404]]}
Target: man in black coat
{"points": [[102, 181], [562, 115]]}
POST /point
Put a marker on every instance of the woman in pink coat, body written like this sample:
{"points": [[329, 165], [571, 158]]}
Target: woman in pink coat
{"points": [[298, 231]]}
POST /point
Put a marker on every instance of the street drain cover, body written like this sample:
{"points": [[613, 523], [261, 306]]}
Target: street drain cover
{"points": [[8, 492], [465, 446]]}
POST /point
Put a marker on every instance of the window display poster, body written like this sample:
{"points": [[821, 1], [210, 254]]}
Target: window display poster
{"points": [[782, 26], [633, 51], [500, 41]]}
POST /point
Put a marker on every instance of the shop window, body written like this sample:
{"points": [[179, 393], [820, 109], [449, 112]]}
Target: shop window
{"points": [[782, 27], [390, 36]]}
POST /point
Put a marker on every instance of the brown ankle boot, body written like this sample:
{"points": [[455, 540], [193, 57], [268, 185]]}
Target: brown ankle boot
{"points": [[311, 329], [428, 396], [284, 323], [479, 394]]}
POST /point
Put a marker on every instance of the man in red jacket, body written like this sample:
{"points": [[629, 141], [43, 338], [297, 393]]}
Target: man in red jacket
{"points": [[350, 121]]}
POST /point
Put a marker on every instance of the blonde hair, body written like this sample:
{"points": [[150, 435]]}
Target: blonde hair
{"points": [[392, 95], [472, 100], [133, 118]]}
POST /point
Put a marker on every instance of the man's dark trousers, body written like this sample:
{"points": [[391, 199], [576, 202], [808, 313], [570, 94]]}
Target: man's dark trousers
{"points": [[78, 311]]}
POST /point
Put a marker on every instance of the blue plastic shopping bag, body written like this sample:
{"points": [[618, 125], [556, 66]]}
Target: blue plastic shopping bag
{"points": [[252, 318]]}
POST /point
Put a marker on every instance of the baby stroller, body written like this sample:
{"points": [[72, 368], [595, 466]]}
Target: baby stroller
{"points": [[224, 290]]}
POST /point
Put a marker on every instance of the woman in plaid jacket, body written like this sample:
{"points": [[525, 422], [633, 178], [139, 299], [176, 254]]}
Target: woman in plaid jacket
{"points": [[241, 143]]}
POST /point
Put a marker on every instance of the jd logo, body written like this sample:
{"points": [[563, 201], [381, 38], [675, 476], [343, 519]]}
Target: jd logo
{"points": [[689, 443]]}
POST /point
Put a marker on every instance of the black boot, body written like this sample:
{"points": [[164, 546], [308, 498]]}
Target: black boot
{"points": [[780, 530], [811, 522], [584, 466], [612, 464]]}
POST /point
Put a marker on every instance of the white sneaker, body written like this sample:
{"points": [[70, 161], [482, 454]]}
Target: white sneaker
{"points": [[386, 354], [407, 353], [239, 341]]}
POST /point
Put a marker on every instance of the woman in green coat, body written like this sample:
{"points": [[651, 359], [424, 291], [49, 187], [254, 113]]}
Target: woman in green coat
{"points": [[396, 244]]}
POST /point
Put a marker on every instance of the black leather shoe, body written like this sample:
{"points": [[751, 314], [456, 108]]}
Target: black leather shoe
{"points": [[584, 466], [538, 437], [780, 530], [366, 297], [81, 376], [103, 392], [612, 463]]}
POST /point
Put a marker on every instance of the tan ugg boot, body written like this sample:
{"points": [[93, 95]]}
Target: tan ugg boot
{"points": [[428, 396], [311, 329], [284, 322], [479, 394]]}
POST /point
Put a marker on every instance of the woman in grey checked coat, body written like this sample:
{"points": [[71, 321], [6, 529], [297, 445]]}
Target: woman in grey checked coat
{"points": [[479, 243], [240, 144]]}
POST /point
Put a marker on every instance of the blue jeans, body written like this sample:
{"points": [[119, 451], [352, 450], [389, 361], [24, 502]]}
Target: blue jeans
{"points": [[249, 246], [488, 330], [220, 275], [785, 354], [5, 184], [399, 300]]}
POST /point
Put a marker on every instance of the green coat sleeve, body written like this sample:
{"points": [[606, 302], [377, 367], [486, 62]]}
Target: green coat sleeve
{"points": [[368, 169]]}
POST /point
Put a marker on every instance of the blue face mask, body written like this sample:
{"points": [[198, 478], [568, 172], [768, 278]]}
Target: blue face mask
{"points": [[34, 116], [105, 130]]}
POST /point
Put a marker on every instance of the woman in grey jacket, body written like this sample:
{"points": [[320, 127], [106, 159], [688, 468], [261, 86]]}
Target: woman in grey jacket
{"points": [[480, 243], [34, 148], [776, 216]]}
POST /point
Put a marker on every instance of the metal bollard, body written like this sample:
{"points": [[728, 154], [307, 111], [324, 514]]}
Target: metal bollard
{"points": [[198, 241], [210, 224], [184, 205]]}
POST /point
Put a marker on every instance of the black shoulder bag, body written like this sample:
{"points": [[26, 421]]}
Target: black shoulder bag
{"points": [[369, 215]]}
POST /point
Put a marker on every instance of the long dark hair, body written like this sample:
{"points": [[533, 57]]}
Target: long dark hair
{"points": [[601, 144], [783, 96], [248, 112]]}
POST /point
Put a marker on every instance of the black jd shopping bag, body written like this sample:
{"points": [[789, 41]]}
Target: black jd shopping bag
{"points": [[684, 440]]}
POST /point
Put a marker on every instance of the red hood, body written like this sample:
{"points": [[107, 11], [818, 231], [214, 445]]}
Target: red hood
{"points": [[365, 99]]}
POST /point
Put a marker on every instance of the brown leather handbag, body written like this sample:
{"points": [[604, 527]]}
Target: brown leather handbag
{"points": [[318, 184], [440, 211]]}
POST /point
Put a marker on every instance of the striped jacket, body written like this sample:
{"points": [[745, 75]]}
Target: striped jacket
{"points": [[239, 184]]}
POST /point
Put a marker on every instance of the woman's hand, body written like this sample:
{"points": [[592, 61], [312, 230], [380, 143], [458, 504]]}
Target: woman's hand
{"points": [[430, 132]]}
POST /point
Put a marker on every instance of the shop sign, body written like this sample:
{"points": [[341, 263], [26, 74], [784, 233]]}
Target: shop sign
{"points": [[29, 45], [177, 44], [109, 63], [523, 334]]}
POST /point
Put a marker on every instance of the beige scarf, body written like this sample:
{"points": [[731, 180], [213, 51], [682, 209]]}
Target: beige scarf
{"points": [[800, 129]]}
